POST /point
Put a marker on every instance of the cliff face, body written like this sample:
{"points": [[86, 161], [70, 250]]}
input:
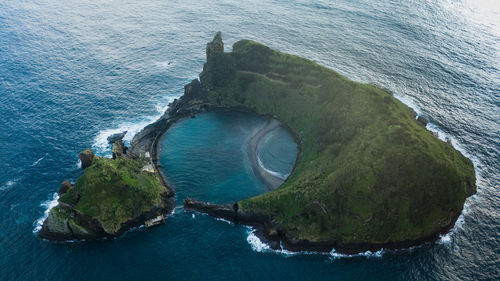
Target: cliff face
{"points": [[370, 175]]}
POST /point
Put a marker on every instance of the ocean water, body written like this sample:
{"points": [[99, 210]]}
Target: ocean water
{"points": [[73, 72]]}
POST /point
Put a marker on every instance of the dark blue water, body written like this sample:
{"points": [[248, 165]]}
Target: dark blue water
{"points": [[71, 73]]}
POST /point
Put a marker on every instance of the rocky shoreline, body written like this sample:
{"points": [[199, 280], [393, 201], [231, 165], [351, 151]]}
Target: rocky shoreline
{"points": [[272, 181], [272, 234]]}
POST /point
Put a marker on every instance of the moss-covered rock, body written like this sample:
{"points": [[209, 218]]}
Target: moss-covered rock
{"points": [[109, 198]]}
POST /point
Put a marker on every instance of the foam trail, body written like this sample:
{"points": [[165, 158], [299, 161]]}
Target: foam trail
{"points": [[9, 184], [446, 239], [101, 145], [38, 161], [276, 174], [48, 205]]}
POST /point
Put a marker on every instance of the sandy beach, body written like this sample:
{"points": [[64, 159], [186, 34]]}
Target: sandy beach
{"points": [[269, 179]]}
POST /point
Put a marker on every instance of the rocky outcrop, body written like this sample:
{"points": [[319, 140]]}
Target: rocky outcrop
{"points": [[119, 149], [65, 185], [116, 137], [216, 46], [422, 120], [86, 157], [225, 211]]}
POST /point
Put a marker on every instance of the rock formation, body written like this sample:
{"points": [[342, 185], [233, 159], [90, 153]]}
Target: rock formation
{"points": [[65, 185], [86, 157], [216, 46]]}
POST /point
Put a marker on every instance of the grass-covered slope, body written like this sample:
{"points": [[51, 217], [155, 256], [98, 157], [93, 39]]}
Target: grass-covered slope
{"points": [[115, 191], [368, 173]]}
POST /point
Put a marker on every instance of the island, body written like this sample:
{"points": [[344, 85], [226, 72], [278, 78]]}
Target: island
{"points": [[368, 175]]}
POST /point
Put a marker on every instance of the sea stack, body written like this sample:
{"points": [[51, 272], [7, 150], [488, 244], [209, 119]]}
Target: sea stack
{"points": [[86, 157], [216, 46]]}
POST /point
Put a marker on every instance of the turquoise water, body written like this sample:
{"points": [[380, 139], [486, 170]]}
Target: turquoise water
{"points": [[73, 72], [207, 157]]}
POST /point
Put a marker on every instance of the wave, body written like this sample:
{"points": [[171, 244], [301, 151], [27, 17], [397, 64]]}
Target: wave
{"points": [[103, 148], [276, 174], [368, 254], [447, 238], [48, 205], [38, 161], [9, 184]]}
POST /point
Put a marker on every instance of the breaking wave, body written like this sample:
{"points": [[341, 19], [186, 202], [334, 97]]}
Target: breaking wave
{"points": [[103, 148], [48, 205]]}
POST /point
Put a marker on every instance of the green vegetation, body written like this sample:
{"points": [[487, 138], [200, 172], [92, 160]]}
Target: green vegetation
{"points": [[367, 173], [115, 191]]}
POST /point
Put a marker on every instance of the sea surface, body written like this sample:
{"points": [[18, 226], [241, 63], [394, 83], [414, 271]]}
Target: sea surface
{"points": [[74, 72]]}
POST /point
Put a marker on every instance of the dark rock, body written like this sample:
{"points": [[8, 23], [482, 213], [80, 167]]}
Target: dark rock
{"points": [[65, 185], [216, 46], [422, 120], [225, 211], [116, 137], [86, 157], [119, 149]]}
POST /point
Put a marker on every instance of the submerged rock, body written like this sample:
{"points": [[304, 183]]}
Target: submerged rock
{"points": [[86, 157], [116, 137]]}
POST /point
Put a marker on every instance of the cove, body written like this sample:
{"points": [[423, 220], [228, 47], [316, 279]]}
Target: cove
{"points": [[224, 156]]}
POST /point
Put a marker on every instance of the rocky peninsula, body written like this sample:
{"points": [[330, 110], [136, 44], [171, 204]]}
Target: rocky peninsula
{"points": [[368, 176]]}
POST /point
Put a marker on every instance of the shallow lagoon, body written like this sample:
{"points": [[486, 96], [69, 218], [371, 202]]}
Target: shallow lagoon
{"points": [[207, 157]]}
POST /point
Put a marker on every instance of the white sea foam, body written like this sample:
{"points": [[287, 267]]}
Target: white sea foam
{"points": [[101, 145], [38, 161], [224, 220], [408, 102], [79, 164], [276, 174], [9, 184], [368, 254], [261, 247], [447, 238], [48, 205]]}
